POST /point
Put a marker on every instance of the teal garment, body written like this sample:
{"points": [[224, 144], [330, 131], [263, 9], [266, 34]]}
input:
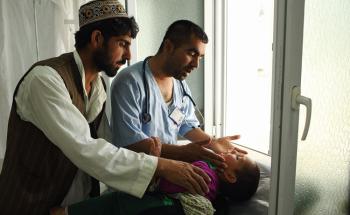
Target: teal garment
{"points": [[211, 165], [118, 203]]}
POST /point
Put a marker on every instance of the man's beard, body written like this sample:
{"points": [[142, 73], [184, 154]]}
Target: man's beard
{"points": [[103, 62], [175, 73], [179, 77], [181, 74], [172, 69]]}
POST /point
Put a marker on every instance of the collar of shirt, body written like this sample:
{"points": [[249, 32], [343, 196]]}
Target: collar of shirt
{"points": [[98, 94]]}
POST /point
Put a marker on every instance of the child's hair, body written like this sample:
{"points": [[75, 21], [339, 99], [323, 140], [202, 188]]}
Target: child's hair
{"points": [[245, 186]]}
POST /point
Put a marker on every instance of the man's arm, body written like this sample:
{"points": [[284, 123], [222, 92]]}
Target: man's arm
{"points": [[189, 153], [147, 146], [225, 145], [43, 100], [197, 134], [194, 134], [219, 145]]}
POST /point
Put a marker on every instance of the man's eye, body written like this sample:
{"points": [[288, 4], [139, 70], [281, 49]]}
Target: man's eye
{"points": [[121, 43], [192, 54]]}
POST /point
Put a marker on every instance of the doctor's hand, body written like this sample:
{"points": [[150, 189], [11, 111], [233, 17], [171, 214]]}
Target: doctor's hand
{"points": [[224, 145], [155, 147], [199, 151], [183, 174]]}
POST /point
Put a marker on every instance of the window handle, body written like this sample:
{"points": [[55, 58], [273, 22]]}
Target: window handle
{"points": [[298, 99]]}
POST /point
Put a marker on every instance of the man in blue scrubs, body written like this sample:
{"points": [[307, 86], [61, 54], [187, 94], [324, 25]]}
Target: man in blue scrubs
{"points": [[151, 98]]}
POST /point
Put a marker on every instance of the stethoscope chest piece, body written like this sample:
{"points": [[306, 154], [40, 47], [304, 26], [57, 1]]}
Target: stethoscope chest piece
{"points": [[146, 117]]}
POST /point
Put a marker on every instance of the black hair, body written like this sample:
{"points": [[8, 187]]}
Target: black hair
{"points": [[108, 27], [181, 31], [245, 186]]}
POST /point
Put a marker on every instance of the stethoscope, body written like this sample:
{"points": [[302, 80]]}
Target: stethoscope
{"points": [[146, 116]]}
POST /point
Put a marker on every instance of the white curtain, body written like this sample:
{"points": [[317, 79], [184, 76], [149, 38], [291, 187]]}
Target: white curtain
{"points": [[30, 30]]}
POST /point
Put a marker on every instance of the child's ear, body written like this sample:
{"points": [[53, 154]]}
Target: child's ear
{"points": [[230, 176]]}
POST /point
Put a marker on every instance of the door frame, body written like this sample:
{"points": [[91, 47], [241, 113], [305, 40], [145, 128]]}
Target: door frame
{"points": [[288, 44]]}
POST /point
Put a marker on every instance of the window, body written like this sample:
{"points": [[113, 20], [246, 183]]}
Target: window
{"points": [[240, 69], [249, 72]]}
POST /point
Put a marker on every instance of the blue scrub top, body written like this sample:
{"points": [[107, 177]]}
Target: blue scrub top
{"points": [[128, 103]]}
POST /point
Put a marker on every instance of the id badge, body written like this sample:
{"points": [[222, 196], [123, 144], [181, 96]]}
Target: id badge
{"points": [[177, 116]]}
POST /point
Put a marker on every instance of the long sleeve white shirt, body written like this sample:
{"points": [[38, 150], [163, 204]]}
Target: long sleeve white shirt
{"points": [[43, 100]]}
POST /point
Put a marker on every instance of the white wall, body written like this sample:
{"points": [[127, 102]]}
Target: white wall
{"points": [[29, 31]]}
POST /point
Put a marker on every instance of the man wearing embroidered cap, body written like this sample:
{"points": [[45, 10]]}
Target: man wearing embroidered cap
{"points": [[53, 148], [99, 10]]}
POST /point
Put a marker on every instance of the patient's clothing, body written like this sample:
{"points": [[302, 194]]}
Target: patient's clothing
{"points": [[168, 187], [123, 204]]}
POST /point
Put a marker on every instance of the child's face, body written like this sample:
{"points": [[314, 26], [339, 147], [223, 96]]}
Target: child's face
{"points": [[235, 162]]}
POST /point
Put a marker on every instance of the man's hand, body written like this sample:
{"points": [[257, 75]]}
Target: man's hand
{"points": [[183, 174], [151, 146], [224, 145], [199, 151], [155, 147]]}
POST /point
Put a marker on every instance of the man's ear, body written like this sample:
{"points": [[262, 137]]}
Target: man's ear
{"points": [[230, 176], [96, 39], [168, 46]]}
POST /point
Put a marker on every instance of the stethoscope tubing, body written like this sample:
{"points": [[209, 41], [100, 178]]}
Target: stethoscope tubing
{"points": [[146, 116]]}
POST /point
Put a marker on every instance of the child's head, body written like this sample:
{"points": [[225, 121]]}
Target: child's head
{"points": [[240, 179]]}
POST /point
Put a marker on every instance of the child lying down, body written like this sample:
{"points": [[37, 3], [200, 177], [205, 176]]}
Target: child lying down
{"points": [[238, 181]]}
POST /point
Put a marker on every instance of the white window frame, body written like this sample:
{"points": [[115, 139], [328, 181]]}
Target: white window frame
{"points": [[214, 67]]}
